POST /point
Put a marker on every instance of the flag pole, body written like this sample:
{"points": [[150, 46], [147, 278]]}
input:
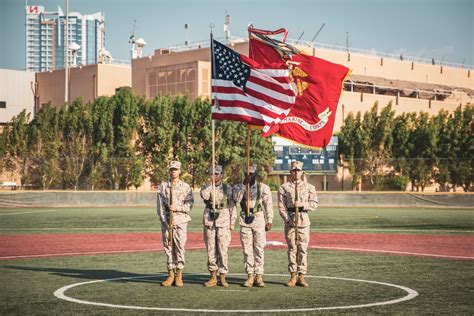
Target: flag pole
{"points": [[248, 171], [247, 213], [213, 138]]}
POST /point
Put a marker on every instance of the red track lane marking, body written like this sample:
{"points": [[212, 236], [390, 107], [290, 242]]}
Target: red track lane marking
{"points": [[53, 245]]}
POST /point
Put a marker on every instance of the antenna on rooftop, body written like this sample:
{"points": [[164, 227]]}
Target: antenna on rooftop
{"points": [[300, 37], [186, 26], [137, 44], [347, 41], [227, 27], [131, 39], [317, 33]]}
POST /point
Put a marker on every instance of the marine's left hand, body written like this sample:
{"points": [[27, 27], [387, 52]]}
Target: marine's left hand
{"points": [[268, 227]]}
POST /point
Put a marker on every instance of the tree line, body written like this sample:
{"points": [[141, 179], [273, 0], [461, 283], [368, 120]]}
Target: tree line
{"points": [[388, 152], [114, 143]]}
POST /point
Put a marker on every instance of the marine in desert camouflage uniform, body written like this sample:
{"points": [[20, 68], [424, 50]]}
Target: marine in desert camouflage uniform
{"points": [[307, 201], [253, 227], [219, 220], [181, 204]]}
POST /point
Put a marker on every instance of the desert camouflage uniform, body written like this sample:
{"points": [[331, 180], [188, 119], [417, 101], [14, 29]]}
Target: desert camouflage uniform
{"points": [[217, 233], [252, 236], [297, 255], [183, 199]]}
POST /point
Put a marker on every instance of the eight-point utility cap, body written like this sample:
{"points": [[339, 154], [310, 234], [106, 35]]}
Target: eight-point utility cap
{"points": [[217, 169], [296, 165], [174, 165], [253, 168]]}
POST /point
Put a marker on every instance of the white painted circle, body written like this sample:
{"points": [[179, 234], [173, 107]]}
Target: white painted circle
{"points": [[59, 293]]}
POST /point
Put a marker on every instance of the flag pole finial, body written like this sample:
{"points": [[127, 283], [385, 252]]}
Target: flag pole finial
{"points": [[212, 26]]}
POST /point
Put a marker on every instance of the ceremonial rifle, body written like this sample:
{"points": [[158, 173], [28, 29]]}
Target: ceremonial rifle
{"points": [[297, 211], [171, 218]]}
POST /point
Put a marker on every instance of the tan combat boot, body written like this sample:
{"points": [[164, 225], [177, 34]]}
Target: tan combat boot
{"points": [[178, 279], [223, 281], [212, 280], [169, 280], [292, 281], [249, 281], [301, 281], [259, 280]]}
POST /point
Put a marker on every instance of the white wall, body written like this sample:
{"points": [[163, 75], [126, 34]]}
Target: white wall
{"points": [[15, 90]]}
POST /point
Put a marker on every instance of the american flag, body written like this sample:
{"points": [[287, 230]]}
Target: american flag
{"points": [[244, 91]]}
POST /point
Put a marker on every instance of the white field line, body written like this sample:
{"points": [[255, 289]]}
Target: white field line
{"points": [[20, 213], [233, 246], [393, 230], [83, 228], [79, 253], [315, 231], [392, 251], [411, 294], [99, 252]]}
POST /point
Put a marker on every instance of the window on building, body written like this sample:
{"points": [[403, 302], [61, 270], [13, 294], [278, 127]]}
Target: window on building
{"points": [[3, 104]]}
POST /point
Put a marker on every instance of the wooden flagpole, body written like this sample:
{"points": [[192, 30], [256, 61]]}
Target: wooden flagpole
{"points": [[213, 125], [248, 171], [248, 154]]}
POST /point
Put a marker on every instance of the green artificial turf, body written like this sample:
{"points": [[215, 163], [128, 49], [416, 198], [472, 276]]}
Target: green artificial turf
{"points": [[444, 286]]}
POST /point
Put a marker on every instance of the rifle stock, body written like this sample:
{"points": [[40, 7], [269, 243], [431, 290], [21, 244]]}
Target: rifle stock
{"points": [[247, 211]]}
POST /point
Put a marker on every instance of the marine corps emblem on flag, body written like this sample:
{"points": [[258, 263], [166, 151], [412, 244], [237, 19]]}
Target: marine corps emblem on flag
{"points": [[296, 75], [310, 121]]}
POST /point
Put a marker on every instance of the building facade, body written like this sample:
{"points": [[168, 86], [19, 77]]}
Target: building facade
{"points": [[88, 82], [45, 38], [15, 93]]}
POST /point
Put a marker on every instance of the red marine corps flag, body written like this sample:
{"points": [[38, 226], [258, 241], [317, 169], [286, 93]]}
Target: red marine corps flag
{"points": [[310, 122]]}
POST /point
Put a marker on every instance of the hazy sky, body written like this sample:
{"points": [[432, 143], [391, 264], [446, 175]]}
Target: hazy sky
{"points": [[440, 29]]}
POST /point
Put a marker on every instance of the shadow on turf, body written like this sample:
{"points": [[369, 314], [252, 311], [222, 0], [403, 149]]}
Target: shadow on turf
{"points": [[190, 278]]}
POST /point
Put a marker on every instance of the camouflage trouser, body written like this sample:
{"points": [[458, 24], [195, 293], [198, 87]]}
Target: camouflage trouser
{"points": [[217, 241], [175, 253], [253, 243], [297, 255]]}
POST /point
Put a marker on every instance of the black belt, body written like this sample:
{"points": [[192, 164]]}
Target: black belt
{"points": [[220, 206], [215, 209], [293, 209], [251, 210]]}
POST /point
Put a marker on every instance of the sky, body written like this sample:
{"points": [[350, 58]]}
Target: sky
{"points": [[439, 29]]}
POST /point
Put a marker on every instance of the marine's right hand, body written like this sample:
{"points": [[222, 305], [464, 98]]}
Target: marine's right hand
{"points": [[247, 179], [299, 204]]}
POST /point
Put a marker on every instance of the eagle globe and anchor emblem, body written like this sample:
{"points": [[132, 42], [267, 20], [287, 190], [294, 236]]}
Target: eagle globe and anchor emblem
{"points": [[297, 75]]}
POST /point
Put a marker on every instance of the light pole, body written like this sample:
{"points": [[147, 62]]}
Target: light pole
{"points": [[66, 55]]}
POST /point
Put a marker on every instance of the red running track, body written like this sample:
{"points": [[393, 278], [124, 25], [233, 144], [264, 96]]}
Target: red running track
{"points": [[51, 245]]}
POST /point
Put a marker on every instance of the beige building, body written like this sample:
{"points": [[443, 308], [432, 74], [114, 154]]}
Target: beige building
{"points": [[170, 72], [15, 93], [412, 85], [88, 82]]}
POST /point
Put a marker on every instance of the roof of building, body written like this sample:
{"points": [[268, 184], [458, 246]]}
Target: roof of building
{"points": [[425, 90]]}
